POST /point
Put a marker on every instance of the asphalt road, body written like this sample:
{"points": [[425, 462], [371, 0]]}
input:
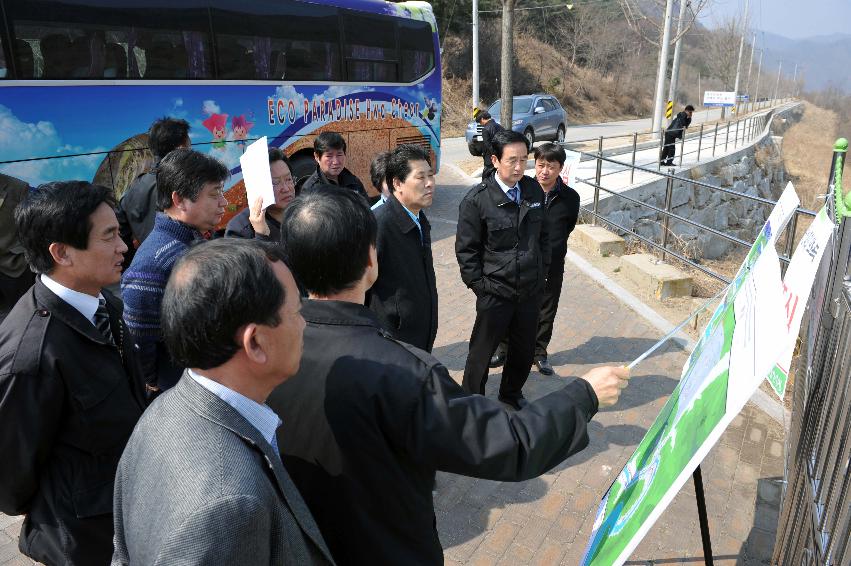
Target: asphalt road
{"points": [[454, 150]]}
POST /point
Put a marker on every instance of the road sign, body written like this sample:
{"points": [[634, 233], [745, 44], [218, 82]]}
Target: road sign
{"points": [[719, 98], [669, 109]]}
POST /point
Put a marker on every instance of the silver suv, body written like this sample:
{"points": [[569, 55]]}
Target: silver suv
{"points": [[536, 116]]}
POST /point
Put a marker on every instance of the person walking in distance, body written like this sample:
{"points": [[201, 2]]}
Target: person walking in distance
{"points": [[489, 130], [676, 129]]}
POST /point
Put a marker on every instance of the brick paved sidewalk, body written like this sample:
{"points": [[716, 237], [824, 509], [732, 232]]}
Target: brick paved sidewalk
{"points": [[547, 520]]}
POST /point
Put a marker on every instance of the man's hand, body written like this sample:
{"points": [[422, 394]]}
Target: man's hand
{"points": [[257, 217], [607, 382]]}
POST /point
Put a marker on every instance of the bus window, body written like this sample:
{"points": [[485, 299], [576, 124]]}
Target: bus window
{"points": [[72, 40], [370, 49], [4, 72], [416, 48], [278, 40]]}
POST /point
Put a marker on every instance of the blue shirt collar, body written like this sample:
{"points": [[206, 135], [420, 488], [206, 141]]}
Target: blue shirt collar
{"points": [[261, 417]]}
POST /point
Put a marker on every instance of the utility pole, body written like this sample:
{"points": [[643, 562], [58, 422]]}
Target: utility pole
{"points": [[506, 84], [777, 84], [475, 54], [675, 71], [758, 71], [739, 61], [795, 82], [750, 67], [658, 103]]}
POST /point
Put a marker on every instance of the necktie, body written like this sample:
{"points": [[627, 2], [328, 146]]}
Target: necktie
{"points": [[514, 195], [102, 321]]}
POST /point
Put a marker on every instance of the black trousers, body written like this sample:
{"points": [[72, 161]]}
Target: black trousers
{"points": [[546, 315], [497, 317], [669, 149]]}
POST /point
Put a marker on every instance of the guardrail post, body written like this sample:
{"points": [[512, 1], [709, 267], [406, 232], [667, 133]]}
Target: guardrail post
{"points": [[699, 142], [727, 137], [669, 193], [736, 136], [790, 237], [714, 140], [682, 147], [661, 146], [597, 179], [634, 146]]}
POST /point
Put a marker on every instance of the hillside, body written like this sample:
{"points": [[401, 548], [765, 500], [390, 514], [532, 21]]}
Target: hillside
{"points": [[586, 94]]}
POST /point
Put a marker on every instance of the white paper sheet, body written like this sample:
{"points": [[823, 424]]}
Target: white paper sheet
{"points": [[255, 173]]}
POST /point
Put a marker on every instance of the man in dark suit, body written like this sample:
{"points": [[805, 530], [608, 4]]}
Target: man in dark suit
{"points": [[404, 297], [201, 480], [676, 129], [503, 251], [70, 393], [489, 130], [369, 418]]}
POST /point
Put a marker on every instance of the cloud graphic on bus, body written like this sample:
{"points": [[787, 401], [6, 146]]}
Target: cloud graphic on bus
{"points": [[24, 140], [210, 107]]}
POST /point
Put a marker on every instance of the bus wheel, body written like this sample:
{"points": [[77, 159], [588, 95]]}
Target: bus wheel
{"points": [[303, 167]]}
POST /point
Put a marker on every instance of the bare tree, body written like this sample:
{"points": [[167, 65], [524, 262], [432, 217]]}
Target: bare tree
{"points": [[647, 17], [722, 48]]}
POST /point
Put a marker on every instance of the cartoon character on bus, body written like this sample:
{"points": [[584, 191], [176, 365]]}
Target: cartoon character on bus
{"points": [[216, 123], [240, 126]]}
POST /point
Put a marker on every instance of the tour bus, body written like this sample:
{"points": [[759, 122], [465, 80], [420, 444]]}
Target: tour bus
{"points": [[82, 80]]}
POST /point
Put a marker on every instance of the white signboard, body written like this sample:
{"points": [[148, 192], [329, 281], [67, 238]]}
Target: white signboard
{"points": [[571, 164], [719, 98]]}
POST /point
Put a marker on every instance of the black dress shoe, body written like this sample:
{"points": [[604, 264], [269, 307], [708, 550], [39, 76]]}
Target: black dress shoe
{"points": [[544, 366], [497, 360], [517, 403]]}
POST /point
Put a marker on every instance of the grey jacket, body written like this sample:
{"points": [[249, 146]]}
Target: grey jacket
{"points": [[198, 484]]}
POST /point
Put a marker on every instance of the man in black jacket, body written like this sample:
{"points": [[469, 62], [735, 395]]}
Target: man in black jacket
{"points": [[329, 151], [562, 212], [489, 130], [368, 419], [15, 275], [404, 297], [503, 250], [676, 129], [70, 393], [138, 205]]}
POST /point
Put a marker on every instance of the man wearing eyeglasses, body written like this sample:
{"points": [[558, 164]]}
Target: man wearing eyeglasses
{"points": [[503, 251], [254, 222]]}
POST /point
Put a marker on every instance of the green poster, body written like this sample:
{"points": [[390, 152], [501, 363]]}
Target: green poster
{"points": [[696, 413]]}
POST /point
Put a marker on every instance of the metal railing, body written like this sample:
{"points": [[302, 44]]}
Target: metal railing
{"points": [[815, 519], [756, 126], [733, 134]]}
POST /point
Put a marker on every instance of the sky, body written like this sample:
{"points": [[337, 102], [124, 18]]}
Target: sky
{"points": [[790, 18]]}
